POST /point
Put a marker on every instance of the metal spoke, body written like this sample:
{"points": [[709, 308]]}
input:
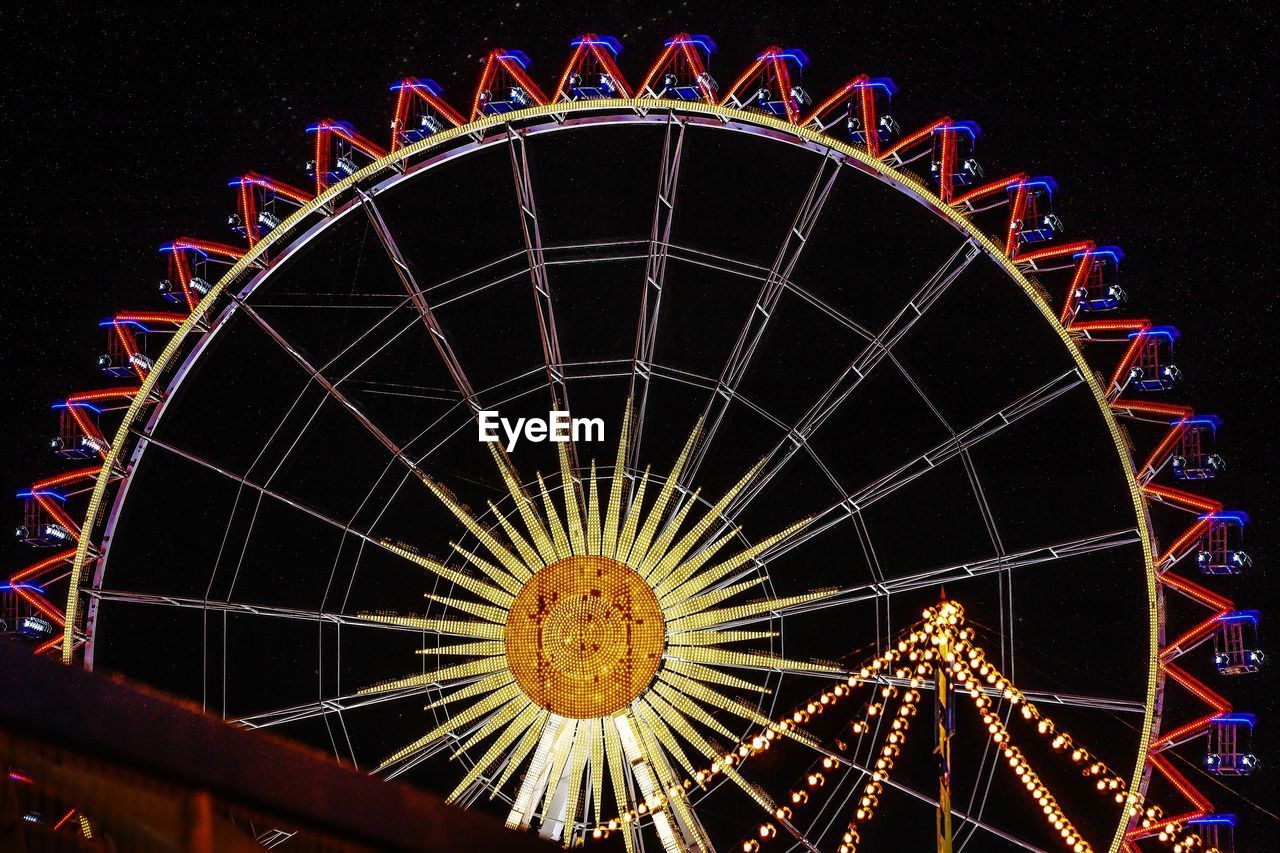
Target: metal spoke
{"points": [[886, 485], [655, 274], [419, 299], [329, 387], [537, 268], [858, 370], [267, 610], [766, 303], [261, 489]]}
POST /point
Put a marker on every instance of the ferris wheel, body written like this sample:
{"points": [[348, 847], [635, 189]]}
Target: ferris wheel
{"points": [[673, 466]]}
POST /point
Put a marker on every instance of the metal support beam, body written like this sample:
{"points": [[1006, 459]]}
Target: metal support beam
{"points": [[655, 274], [766, 302]]}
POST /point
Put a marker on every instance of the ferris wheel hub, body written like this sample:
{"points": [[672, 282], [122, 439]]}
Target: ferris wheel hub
{"points": [[585, 636]]}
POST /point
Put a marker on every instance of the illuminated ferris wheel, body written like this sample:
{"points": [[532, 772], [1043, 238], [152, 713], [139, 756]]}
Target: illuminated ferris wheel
{"points": [[870, 550]]}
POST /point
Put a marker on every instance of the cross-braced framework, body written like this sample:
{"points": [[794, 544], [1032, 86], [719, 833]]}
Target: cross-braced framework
{"points": [[607, 651]]}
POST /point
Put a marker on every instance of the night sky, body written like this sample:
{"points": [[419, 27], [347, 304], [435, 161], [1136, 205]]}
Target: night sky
{"points": [[123, 128]]}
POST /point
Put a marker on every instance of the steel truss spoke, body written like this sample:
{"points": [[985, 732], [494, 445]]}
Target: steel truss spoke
{"points": [[972, 569], [267, 610], [324, 382], [655, 275], [419, 299], [855, 502], [262, 490], [744, 348], [537, 268], [858, 370]]}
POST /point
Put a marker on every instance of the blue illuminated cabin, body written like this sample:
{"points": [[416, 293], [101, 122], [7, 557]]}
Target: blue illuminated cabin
{"points": [[1221, 547]]}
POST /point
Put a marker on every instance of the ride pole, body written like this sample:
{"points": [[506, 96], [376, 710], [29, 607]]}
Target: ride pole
{"points": [[944, 725]]}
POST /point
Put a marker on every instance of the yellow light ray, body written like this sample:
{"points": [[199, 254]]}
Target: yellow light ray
{"points": [[521, 724], [681, 725], [690, 709], [518, 569], [753, 660], [475, 712], [484, 648], [558, 762], [559, 539], [593, 514], [483, 666], [628, 532], [488, 684], [522, 750], [467, 582], [614, 511], [701, 602], [487, 612], [488, 569], [572, 504], [523, 548], [613, 754], [711, 676], [663, 542], [688, 687], [453, 627], [654, 754], [595, 737], [704, 579], [693, 564], [641, 546], [695, 534], [523, 503], [720, 616], [664, 735], [497, 720], [712, 637], [577, 767]]}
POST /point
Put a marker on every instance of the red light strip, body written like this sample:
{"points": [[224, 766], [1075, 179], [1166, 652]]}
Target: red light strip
{"points": [[43, 606], [150, 317], [1170, 409], [1055, 251], [66, 817], [103, 394], [991, 188], [58, 515], [1175, 550], [1181, 498], [47, 563], [1077, 280], [921, 134], [1197, 592], [816, 113], [231, 253], [665, 57], [68, 477], [1016, 211], [746, 75]]}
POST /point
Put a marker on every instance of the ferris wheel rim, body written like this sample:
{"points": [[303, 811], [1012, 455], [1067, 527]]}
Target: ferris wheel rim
{"points": [[564, 116]]}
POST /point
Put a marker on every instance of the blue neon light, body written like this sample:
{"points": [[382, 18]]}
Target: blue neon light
{"points": [[419, 83], [517, 56], [89, 406], [1253, 616], [1245, 719], [614, 46], [41, 493], [1113, 252], [1235, 516], [27, 586], [702, 41]]}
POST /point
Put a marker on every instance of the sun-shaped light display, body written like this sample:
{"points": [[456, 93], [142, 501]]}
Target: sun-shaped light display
{"points": [[584, 637], [597, 642]]}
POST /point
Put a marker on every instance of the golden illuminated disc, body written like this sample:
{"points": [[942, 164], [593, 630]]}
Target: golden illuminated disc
{"points": [[584, 637]]}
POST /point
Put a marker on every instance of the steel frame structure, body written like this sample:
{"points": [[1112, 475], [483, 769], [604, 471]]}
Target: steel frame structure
{"points": [[136, 410]]}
